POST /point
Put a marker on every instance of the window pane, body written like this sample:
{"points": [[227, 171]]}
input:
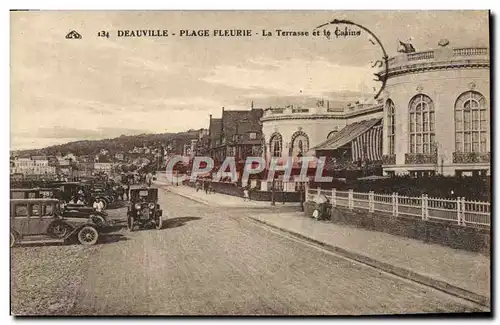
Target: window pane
{"points": [[475, 147], [431, 117], [467, 105], [418, 123], [426, 148], [432, 138], [35, 210], [483, 117], [419, 139], [22, 210], [458, 146], [419, 148]]}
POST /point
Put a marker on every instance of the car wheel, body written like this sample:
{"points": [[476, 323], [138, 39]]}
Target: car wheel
{"points": [[88, 235], [159, 223], [12, 239], [130, 223]]}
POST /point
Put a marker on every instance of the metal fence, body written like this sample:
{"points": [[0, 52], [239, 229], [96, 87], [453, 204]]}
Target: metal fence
{"points": [[459, 211]]}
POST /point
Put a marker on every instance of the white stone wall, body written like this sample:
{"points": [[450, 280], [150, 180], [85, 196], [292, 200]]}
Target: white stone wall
{"points": [[317, 131], [443, 87]]}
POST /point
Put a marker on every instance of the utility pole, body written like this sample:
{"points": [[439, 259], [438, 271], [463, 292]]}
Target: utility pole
{"points": [[301, 192]]}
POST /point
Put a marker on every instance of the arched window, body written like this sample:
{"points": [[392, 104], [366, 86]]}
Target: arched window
{"points": [[471, 123], [421, 124], [331, 134], [391, 126], [276, 145], [300, 144]]}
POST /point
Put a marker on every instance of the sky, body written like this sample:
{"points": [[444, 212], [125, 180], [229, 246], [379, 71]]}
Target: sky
{"points": [[93, 88]]}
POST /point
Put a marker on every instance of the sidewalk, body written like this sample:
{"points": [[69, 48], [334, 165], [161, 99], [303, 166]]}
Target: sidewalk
{"points": [[461, 273], [222, 200]]}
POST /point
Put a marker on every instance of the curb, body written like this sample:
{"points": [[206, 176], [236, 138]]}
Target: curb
{"points": [[396, 270]]}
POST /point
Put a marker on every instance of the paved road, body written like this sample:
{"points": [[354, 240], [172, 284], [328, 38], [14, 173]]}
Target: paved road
{"points": [[211, 261]]}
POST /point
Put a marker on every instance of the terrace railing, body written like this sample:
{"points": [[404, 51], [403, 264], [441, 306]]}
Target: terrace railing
{"points": [[458, 211]]}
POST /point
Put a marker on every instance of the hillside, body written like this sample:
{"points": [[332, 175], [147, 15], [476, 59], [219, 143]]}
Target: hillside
{"points": [[123, 143]]}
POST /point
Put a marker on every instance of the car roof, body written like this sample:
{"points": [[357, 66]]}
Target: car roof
{"points": [[24, 189], [144, 189], [40, 200]]}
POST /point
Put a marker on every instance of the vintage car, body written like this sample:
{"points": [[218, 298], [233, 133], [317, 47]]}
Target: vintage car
{"points": [[144, 210], [41, 221]]}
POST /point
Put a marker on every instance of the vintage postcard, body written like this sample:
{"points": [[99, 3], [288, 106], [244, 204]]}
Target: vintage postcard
{"points": [[250, 163]]}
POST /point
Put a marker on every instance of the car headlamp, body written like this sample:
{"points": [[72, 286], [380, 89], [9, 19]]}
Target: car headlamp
{"points": [[151, 205], [137, 206]]}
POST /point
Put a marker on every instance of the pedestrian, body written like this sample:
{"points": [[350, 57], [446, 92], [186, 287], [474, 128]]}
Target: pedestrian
{"points": [[95, 205], [101, 206], [205, 186], [119, 192], [246, 196]]}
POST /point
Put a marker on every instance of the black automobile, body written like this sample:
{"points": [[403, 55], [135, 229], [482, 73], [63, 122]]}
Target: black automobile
{"points": [[144, 210]]}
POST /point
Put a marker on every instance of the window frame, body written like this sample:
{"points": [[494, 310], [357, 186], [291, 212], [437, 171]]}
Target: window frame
{"points": [[391, 126], [471, 123], [421, 122]]}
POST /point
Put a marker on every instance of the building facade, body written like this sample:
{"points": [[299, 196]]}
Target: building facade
{"points": [[437, 112], [238, 134], [433, 117]]}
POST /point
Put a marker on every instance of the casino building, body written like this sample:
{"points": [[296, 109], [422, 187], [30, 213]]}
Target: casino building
{"points": [[433, 117]]}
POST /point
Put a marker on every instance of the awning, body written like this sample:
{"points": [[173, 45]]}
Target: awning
{"points": [[346, 135]]}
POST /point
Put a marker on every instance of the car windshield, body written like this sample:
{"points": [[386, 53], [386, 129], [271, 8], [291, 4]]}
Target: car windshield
{"points": [[143, 193]]}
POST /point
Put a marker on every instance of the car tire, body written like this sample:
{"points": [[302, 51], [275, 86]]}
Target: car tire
{"points": [[12, 239], [130, 223], [88, 236]]}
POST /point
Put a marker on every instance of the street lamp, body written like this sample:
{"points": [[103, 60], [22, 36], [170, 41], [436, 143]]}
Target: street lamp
{"points": [[301, 192]]}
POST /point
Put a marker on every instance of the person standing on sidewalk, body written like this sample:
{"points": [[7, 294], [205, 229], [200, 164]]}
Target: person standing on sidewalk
{"points": [[127, 191], [246, 196]]}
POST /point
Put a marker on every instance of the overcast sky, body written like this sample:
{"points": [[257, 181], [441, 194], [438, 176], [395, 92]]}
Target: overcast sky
{"points": [[66, 90]]}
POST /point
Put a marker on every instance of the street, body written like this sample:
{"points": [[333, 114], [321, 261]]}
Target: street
{"points": [[210, 261]]}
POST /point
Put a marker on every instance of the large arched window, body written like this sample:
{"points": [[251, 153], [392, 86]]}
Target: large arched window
{"points": [[391, 126], [300, 144], [276, 145], [421, 124], [471, 123]]}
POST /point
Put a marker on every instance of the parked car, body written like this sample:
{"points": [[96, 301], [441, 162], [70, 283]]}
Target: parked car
{"points": [[144, 210], [41, 221]]}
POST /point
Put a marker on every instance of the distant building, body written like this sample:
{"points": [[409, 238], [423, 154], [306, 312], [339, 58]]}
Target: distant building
{"points": [[238, 134], [103, 167], [37, 165]]}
